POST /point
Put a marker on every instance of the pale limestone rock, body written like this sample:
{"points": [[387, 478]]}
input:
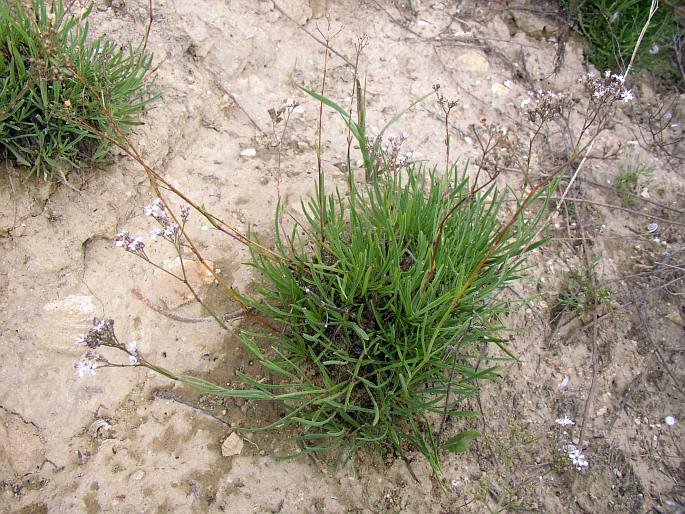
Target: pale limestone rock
{"points": [[79, 306], [499, 89], [298, 10], [318, 8], [64, 319], [138, 475], [233, 445], [21, 447], [473, 61], [173, 292]]}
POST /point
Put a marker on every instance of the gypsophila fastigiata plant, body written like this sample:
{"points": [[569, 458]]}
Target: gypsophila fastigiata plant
{"points": [[63, 94], [378, 308], [373, 342]]}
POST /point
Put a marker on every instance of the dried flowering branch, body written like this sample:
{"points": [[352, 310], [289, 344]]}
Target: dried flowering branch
{"points": [[605, 92], [489, 137], [447, 106], [390, 159], [319, 134], [102, 335], [173, 233], [282, 114], [359, 46], [546, 106]]}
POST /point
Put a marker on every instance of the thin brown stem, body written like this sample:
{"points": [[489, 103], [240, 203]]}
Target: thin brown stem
{"points": [[595, 302], [319, 130]]}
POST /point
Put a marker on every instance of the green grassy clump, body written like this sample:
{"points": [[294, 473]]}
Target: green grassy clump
{"points": [[377, 338], [627, 179], [63, 95], [369, 340], [612, 28], [582, 291]]}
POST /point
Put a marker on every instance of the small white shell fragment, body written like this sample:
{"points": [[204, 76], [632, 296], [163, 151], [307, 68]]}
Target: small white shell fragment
{"points": [[248, 152], [99, 427], [138, 475], [564, 382]]}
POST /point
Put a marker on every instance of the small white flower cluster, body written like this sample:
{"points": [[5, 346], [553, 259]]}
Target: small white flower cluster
{"points": [[608, 88], [392, 148], [102, 334], [84, 366], [289, 104], [395, 141], [543, 105], [565, 421], [90, 361], [574, 453], [577, 457], [167, 229], [132, 348], [133, 244], [287, 107]]}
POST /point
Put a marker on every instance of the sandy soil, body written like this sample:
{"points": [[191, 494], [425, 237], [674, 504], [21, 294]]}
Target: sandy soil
{"points": [[113, 443]]}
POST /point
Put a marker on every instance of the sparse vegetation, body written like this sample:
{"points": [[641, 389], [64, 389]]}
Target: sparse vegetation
{"points": [[627, 181], [502, 488], [582, 291]]}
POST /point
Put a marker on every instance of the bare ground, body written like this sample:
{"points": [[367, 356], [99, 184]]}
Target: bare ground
{"points": [[130, 441]]}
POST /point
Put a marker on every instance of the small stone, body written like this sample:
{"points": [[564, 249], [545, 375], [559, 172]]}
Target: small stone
{"points": [[298, 10], [670, 420], [138, 475], [499, 89], [318, 8], [472, 61], [21, 447], [233, 445], [174, 293], [264, 180], [248, 152]]}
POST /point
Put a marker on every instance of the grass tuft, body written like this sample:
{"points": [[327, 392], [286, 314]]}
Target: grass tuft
{"points": [[63, 94], [628, 178], [378, 337]]}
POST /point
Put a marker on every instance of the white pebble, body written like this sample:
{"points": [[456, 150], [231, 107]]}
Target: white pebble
{"points": [[670, 421]]}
